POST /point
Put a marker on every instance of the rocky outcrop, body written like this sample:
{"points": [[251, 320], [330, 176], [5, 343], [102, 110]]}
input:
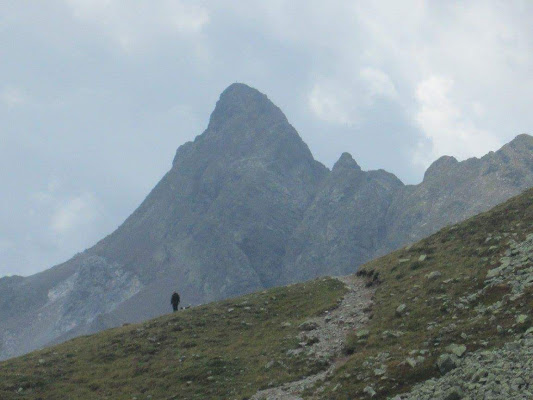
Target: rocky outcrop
{"points": [[484, 374], [504, 372], [345, 224], [453, 191], [94, 288]]}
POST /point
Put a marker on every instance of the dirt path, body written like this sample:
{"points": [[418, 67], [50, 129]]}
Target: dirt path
{"points": [[330, 333]]}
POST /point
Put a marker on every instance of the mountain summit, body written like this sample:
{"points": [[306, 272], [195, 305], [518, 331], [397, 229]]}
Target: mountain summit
{"points": [[244, 207]]}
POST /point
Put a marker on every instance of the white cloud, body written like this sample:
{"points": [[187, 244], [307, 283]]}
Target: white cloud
{"points": [[13, 97], [131, 24], [5, 245], [74, 213], [485, 48], [448, 131], [331, 103], [66, 213], [345, 102], [378, 83]]}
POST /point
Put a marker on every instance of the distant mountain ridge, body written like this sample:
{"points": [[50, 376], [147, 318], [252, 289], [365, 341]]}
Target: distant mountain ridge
{"points": [[245, 206]]}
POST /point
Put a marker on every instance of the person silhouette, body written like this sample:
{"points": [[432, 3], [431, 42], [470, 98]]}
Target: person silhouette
{"points": [[175, 301]]}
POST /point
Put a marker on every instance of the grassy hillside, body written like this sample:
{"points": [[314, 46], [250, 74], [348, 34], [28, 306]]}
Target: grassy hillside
{"points": [[468, 285], [441, 309], [218, 351]]}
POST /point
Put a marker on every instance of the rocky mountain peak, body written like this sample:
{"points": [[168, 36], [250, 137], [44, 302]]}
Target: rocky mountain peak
{"points": [[244, 104], [522, 144], [439, 167], [346, 161], [522, 140], [246, 125]]}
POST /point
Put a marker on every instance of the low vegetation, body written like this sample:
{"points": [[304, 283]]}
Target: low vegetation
{"points": [[217, 351], [436, 280]]}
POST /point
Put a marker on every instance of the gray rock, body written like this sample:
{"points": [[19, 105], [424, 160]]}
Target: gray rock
{"points": [[411, 361], [401, 310], [504, 373], [369, 390], [362, 333], [494, 272], [433, 275], [455, 393], [447, 362], [457, 349], [308, 326]]}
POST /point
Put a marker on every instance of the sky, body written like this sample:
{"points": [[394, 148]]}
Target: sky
{"points": [[96, 95]]}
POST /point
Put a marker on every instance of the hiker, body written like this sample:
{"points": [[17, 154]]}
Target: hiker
{"points": [[175, 301]]}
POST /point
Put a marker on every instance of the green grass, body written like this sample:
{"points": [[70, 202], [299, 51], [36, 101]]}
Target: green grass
{"points": [[207, 352], [463, 256]]}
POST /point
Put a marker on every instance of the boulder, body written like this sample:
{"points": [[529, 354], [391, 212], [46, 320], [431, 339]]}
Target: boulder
{"points": [[433, 275], [362, 333], [369, 390], [401, 310], [457, 349], [308, 326], [447, 362], [455, 393]]}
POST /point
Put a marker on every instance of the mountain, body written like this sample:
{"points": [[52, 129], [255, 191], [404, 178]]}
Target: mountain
{"points": [[448, 317], [245, 207], [358, 215], [213, 227], [453, 191], [344, 225]]}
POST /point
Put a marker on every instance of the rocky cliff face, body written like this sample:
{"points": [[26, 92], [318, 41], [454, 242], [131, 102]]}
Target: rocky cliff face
{"points": [[244, 207], [345, 224], [453, 191]]}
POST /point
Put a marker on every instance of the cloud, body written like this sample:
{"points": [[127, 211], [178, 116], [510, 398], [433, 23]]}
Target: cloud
{"points": [[446, 130], [331, 103], [378, 83], [474, 58], [74, 213], [346, 102], [5, 245], [132, 23], [13, 97], [68, 215]]}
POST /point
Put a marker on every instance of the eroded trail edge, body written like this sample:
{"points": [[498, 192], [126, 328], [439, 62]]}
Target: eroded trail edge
{"points": [[324, 337]]}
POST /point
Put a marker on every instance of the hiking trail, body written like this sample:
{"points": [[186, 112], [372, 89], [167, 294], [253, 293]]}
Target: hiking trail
{"points": [[328, 332]]}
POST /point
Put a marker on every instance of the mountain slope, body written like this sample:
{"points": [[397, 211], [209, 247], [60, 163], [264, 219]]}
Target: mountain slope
{"points": [[246, 207], [452, 191], [344, 225], [457, 300], [359, 215], [213, 227]]}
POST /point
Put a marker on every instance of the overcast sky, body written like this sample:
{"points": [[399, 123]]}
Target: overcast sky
{"points": [[96, 95]]}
